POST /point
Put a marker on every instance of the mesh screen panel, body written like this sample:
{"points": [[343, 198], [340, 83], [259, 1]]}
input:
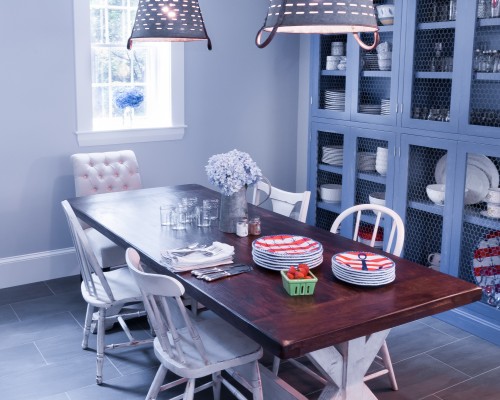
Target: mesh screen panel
{"points": [[474, 236], [485, 88], [336, 82], [422, 166], [328, 139], [325, 218], [433, 11], [367, 150]]}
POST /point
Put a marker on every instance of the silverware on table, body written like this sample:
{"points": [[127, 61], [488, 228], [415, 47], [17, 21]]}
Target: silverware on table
{"points": [[212, 270], [234, 270]]}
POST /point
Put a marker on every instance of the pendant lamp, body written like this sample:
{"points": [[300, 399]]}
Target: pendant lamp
{"points": [[320, 16], [171, 21]]}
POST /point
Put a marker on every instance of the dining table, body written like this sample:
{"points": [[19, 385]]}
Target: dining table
{"points": [[340, 327]]}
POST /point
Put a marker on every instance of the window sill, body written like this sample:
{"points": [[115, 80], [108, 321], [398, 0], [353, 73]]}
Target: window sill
{"points": [[96, 138]]}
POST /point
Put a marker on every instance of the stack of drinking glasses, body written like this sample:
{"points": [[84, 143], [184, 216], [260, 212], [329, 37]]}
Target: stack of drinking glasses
{"points": [[189, 212], [384, 55]]}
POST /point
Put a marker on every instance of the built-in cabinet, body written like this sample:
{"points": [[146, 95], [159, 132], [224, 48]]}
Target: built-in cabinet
{"points": [[429, 115]]}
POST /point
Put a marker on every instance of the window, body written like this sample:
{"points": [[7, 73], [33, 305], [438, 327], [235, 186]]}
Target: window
{"points": [[124, 96]]}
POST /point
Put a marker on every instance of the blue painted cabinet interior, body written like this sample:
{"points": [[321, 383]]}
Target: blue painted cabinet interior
{"points": [[434, 110]]}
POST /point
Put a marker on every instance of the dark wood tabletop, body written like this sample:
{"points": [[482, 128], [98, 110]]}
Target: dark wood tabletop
{"points": [[256, 302]]}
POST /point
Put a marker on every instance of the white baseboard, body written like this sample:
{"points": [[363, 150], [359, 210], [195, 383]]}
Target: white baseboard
{"points": [[36, 267]]}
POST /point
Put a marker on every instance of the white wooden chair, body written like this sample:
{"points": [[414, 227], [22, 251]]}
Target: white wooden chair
{"points": [[105, 290], [94, 173], [283, 202], [394, 246], [195, 348]]}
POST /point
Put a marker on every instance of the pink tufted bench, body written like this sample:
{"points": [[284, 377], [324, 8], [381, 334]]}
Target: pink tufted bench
{"points": [[94, 173]]}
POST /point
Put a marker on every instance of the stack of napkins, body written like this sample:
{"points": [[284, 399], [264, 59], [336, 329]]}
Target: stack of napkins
{"points": [[223, 254]]}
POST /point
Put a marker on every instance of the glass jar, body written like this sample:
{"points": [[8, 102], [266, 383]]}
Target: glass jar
{"points": [[242, 227], [254, 226]]}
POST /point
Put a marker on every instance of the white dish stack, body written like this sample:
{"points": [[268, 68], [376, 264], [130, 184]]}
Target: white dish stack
{"points": [[492, 204], [363, 268], [366, 161], [374, 109], [333, 155], [335, 100], [385, 107], [381, 160]]}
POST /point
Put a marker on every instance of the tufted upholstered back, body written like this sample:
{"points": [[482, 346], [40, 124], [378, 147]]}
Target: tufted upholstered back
{"points": [[112, 171]]}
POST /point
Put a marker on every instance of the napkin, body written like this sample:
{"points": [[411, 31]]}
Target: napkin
{"points": [[198, 260]]}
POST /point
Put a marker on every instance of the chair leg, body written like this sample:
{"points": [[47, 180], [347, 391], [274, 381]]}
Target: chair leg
{"points": [[189, 393], [257, 382], [100, 344], [86, 326], [384, 353], [276, 365], [217, 380], [156, 384]]}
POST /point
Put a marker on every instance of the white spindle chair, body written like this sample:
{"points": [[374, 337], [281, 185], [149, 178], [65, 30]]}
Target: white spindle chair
{"points": [[114, 293], [283, 202], [197, 347], [394, 246]]}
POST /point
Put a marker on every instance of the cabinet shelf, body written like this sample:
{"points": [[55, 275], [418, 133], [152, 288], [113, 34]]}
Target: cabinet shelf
{"points": [[376, 74], [333, 207], [426, 206], [488, 22], [333, 72], [372, 177], [474, 217], [335, 169], [437, 25], [433, 75], [385, 28], [487, 76]]}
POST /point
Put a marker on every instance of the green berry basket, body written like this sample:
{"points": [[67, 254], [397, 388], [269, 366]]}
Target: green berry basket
{"points": [[298, 287]]}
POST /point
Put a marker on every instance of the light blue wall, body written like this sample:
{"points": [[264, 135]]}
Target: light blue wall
{"points": [[237, 96]]}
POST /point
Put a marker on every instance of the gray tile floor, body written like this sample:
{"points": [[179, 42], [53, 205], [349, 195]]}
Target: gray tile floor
{"points": [[41, 357]]}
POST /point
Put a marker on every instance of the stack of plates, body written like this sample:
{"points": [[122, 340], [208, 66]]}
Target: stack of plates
{"points": [[371, 62], [385, 106], [375, 109], [363, 268], [333, 155], [381, 161], [366, 161], [482, 175], [335, 100], [279, 252]]}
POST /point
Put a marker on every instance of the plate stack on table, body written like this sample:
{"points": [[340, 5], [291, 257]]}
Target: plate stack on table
{"points": [[366, 161], [333, 155], [363, 268], [335, 100], [374, 109], [482, 175], [279, 252]]}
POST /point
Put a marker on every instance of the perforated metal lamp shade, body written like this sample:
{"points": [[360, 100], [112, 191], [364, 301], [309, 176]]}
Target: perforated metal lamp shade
{"points": [[320, 16], [172, 21]]}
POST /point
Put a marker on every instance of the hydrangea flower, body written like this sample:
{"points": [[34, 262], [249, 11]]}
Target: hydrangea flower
{"points": [[232, 171], [129, 98]]}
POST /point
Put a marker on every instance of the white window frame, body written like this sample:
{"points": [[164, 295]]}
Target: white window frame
{"points": [[85, 133]]}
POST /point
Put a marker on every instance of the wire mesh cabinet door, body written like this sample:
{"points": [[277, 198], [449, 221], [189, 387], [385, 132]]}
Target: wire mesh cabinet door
{"points": [[330, 65], [372, 159], [427, 214], [431, 81], [481, 71], [475, 255], [375, 73], [328, 173]]}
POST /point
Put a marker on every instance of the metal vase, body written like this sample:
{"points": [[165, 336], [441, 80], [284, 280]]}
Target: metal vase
{"points": [[232, 209]]}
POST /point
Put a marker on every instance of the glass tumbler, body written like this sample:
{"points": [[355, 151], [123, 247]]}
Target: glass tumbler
{"points": [[167, 214], [203, 215], [180, 218]]}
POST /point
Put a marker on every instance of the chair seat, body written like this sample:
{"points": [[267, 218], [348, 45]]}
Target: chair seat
{"points": [[122, 286], [227, 348], [108, 253]]}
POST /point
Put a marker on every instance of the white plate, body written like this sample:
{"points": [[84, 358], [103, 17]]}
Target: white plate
{"points": [[484, 213], [478, 160], [478, 184]]}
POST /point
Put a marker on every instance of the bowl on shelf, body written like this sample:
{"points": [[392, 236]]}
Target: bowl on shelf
{"points": [[331, 192], [435, 192], [377, 198]]}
